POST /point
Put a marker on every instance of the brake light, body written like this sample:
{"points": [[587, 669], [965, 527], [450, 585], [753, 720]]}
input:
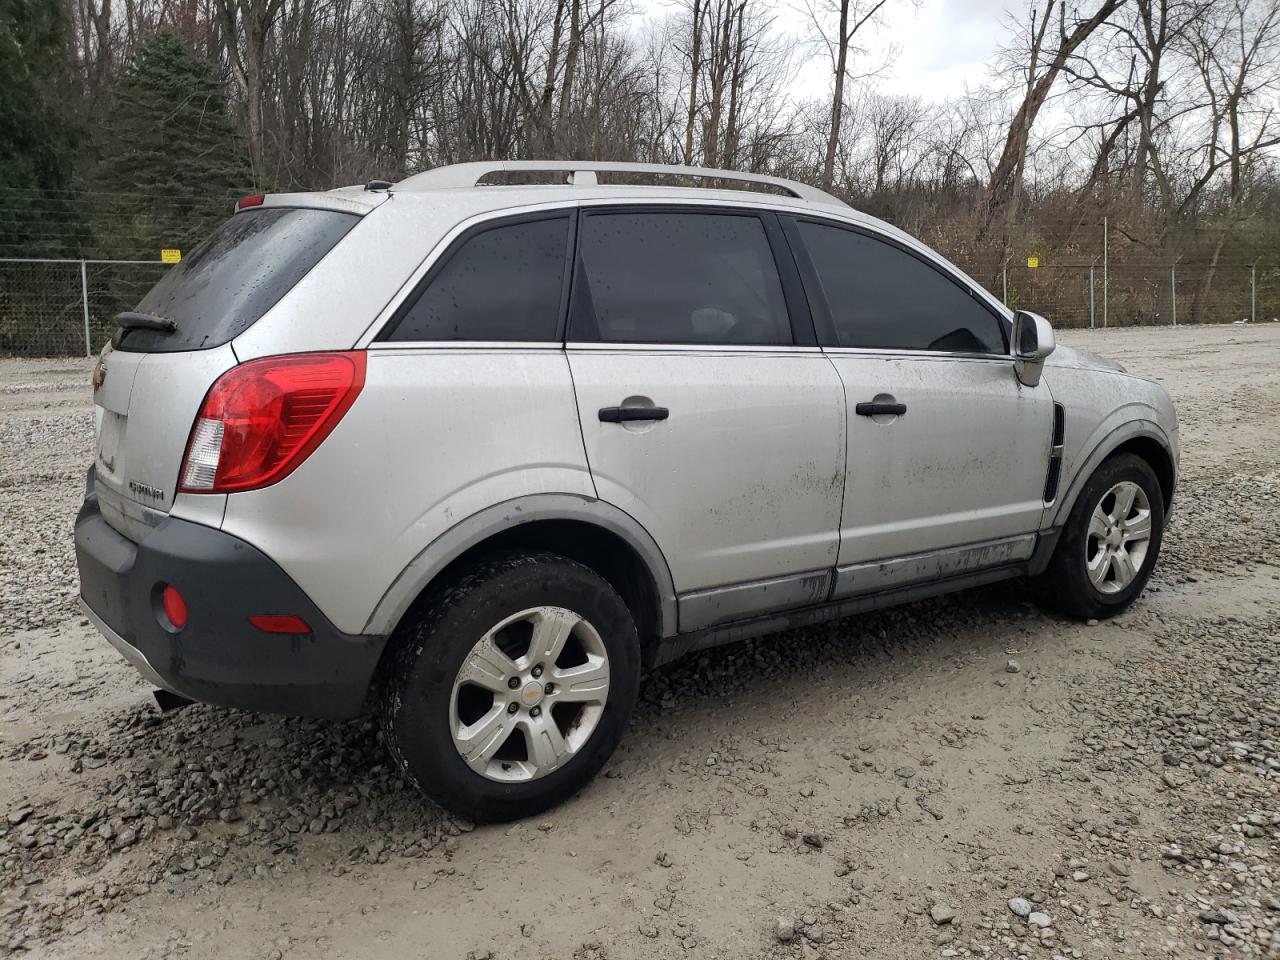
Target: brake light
{"points": [[253, 201], [263, 418]]}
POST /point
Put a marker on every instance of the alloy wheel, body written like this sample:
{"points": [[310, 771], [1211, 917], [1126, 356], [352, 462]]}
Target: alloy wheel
{"points": [[529, 695], [1119, 537]]}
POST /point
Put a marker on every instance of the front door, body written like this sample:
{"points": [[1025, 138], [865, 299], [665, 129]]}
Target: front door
{"points": [[965, 462], [947, 451], [702, 417]]}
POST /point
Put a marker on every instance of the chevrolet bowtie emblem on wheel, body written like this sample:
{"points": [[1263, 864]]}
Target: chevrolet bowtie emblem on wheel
{"points": [[99, 374]]}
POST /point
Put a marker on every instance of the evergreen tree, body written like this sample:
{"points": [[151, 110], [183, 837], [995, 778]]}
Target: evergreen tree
{"points": [[172, 145], [37, 144]]}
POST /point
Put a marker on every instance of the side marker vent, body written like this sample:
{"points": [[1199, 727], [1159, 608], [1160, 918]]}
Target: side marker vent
{"points": [[1055, 454]]}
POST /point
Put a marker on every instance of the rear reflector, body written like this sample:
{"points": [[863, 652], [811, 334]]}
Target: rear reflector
{"points": [[263, 418], [280, 624], [175, 608]]}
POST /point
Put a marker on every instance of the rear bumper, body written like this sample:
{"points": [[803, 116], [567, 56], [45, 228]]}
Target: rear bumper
{"points": [[219, 657]]}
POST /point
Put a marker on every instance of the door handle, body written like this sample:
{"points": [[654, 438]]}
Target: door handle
{"points": [[632, 414], [880, 409]]}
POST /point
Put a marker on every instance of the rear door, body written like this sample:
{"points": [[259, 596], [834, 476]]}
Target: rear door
{"points": [[947, 451], [706, 416]]}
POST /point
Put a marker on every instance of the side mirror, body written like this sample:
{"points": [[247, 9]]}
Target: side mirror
{"points": [[1033, 341]]}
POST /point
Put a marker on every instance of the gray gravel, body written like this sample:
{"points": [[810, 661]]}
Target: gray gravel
{"points": [[46, 444]]}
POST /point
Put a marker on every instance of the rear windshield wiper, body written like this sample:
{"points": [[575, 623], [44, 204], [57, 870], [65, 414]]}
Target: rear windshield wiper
{"points": [[129, 320]]}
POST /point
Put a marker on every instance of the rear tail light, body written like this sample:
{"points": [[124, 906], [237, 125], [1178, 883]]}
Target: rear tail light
{"points": [[245, 202], [263, 418]]}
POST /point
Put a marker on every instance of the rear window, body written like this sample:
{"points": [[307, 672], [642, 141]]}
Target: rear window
{"points": [[224, 285]]}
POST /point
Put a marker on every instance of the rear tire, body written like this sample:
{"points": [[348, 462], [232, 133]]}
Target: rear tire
{"points": [[1109, 544], [512, 686]]}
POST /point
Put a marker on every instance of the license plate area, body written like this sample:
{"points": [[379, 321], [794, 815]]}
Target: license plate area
{"points": [[110, 435]]}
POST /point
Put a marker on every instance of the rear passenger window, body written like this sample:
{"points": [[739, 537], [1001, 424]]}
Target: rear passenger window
{"points": [[882, 297], [504, 283], [677, 278]]}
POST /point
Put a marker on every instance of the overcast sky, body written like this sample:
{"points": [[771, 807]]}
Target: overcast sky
{"points": [[942, 45]]}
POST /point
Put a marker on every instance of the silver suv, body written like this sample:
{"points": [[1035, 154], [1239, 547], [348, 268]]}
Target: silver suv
{"points": [[476, 455]]}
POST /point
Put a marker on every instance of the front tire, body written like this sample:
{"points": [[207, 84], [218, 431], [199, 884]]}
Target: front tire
{"points": [[512, 686], [1110, 542]]}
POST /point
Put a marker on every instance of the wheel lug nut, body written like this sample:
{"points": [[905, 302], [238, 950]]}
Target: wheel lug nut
{"points": [[513, 682], [549, 688], [513, 707], [537, 671], [535, 712]]}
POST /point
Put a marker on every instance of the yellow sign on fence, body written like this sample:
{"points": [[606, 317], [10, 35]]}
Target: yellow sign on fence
{"points": [[1033, 262], [170, 256]]}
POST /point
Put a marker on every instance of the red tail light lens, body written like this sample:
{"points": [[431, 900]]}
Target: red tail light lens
{"points": [[253, 201], [263, 418]]}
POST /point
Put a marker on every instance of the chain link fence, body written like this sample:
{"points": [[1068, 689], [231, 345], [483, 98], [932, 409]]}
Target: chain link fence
{"points": [[51, 308], [1131, 294], [60, 308]]}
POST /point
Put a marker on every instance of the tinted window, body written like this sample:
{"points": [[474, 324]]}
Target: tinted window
{"points": [[881, 296], [677, 278], [502, 284], [223, 286]]}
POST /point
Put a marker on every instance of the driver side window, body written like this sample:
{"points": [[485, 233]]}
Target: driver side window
{"points": [[676, 277], [882, 297]]}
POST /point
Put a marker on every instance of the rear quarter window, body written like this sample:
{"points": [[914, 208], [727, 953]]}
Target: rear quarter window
{"points": [[500, 283], [227, 283]]}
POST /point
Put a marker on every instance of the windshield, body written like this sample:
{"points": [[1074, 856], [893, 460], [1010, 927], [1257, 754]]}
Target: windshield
{"points": [[222, 287]]}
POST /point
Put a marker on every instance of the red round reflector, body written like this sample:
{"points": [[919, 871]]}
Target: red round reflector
{"points": [[175, 608], [280, 623]]}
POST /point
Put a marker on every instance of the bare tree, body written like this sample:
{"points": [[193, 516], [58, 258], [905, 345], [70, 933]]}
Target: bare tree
{"points": [[851, 16], [1237, 55], [246, 24], [1140, 71], [697, 15], [1046, 59]]}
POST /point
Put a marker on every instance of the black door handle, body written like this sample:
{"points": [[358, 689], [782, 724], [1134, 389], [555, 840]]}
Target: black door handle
{"points": [[630, 414], [880, 409]]}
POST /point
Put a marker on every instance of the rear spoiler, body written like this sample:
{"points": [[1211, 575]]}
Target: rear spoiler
{"points": [[346, 200]]}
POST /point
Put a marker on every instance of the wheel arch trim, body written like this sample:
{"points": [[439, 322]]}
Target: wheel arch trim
{"points": [[1141, 429], [505, 516]]}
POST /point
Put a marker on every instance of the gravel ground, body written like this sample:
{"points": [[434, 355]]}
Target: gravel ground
{"points": [[961, 777]]}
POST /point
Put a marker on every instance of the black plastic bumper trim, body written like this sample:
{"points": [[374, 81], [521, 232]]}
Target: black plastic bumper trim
{"points": [[220, 657]]}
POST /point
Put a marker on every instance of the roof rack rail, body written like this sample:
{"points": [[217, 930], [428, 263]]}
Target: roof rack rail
{"points": [[583, 173]]}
